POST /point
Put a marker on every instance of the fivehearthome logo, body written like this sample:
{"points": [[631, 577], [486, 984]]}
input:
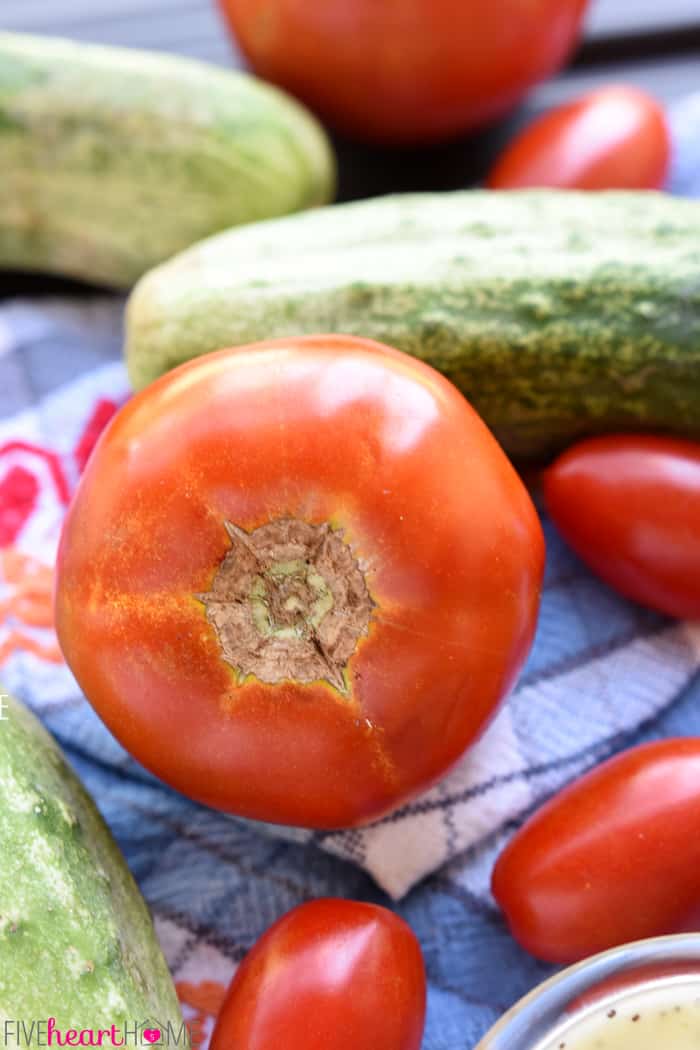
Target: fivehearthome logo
{"points": [[44, 1033]]}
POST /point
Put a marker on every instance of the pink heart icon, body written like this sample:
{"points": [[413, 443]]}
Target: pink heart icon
{"points": [[151, 1035]]}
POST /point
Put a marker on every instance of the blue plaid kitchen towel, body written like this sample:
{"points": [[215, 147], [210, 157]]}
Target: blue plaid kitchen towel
{"points": [[603, 674]]}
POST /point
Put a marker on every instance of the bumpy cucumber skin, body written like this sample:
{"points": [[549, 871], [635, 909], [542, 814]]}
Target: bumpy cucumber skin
{"points": [[558, 314], [113, 160], [76, 938]]}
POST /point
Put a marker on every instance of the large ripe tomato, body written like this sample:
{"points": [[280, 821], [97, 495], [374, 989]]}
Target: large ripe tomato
{"points": [[630, 507], [613, 858], [329, 975], [298, 577], [613, 138], [406, 70]]}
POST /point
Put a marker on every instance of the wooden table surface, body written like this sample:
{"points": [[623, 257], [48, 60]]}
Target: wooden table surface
{"points": [[652, 43]]}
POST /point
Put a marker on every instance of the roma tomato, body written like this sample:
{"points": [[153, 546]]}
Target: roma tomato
{"points": [[330, 974], [297, 578], [630, 507], [613, 138], [612, 858], [406, 72]]}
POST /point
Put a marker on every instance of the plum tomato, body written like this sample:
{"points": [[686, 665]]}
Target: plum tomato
{"points": [[331, 973], [629, 505], [612, 858], [614, 138]]}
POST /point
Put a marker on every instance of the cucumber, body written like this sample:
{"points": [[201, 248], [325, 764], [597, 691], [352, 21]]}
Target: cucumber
{"points": [[558, 314], [113, 160], [76, 938]]}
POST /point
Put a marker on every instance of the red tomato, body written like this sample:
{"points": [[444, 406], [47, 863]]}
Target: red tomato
{"points": [[298, 577], [612, 858], [630, 507], [395, 71], [330, 974], [613, 138]]}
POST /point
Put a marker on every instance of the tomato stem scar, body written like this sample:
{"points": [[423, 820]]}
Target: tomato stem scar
{"points": [[289, 601]]}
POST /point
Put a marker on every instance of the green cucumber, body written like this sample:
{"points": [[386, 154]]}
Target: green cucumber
{"points": [[558, 314], [76, 939], [112, 160]]}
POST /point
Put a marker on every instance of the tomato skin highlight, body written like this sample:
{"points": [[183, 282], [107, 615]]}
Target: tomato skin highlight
{"points": [[629, 505], [331, 973], [336, 432], [612, 858], [615, 137], [398, 72]]}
